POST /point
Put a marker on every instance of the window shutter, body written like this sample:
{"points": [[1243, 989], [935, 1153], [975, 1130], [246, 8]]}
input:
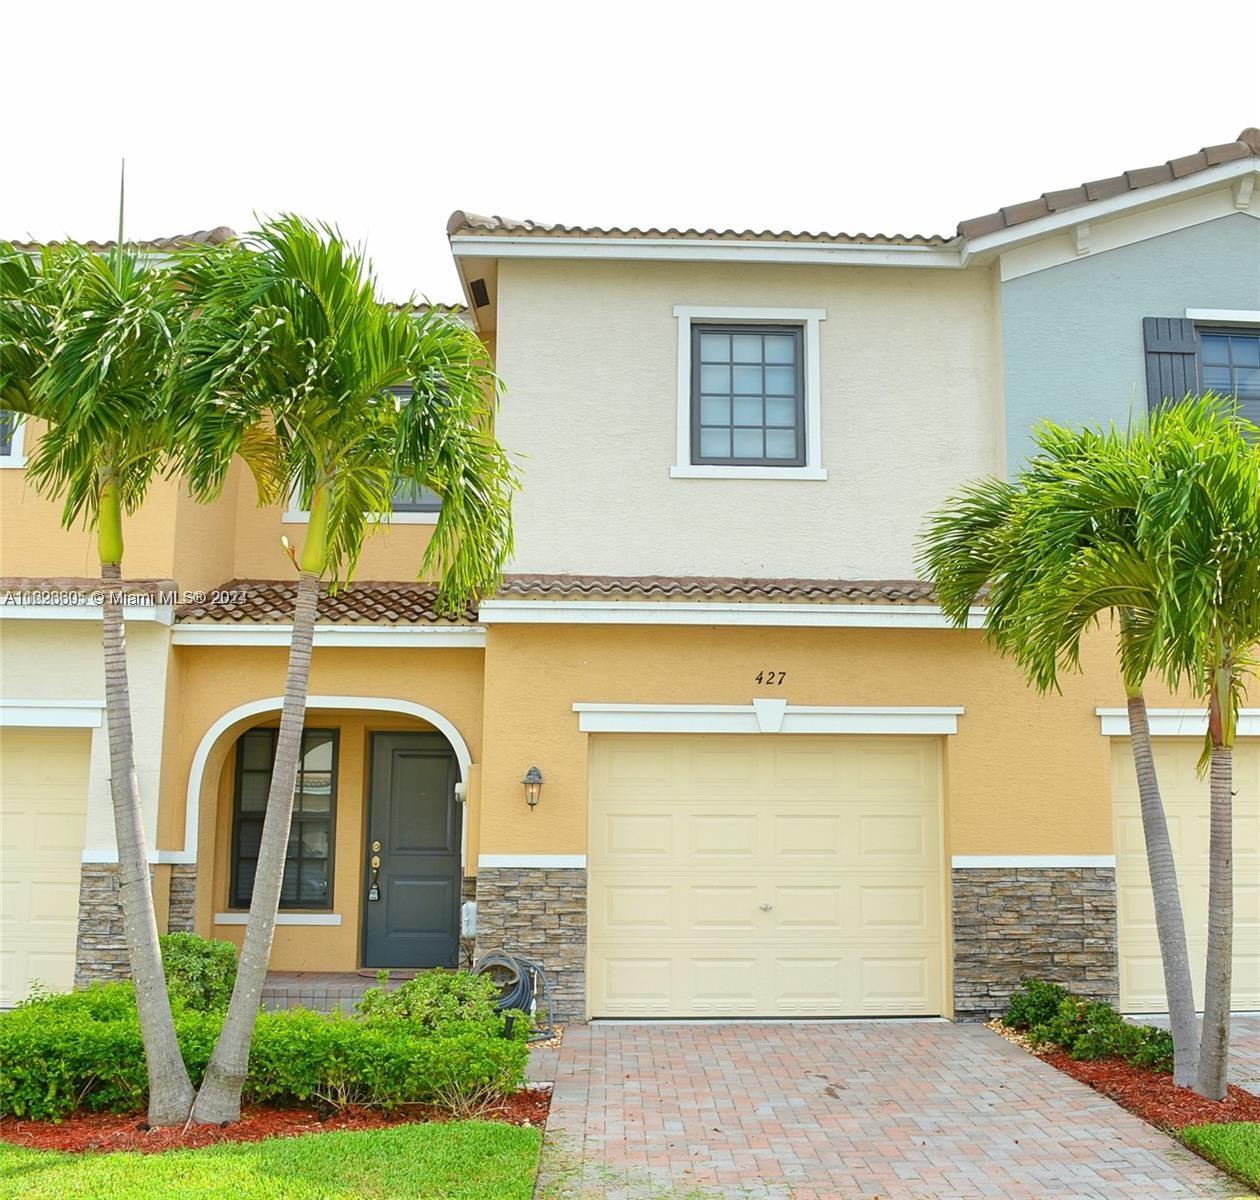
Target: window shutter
{"points": [[1172, 352]]}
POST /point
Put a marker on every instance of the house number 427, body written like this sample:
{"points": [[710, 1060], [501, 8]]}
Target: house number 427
{"points": [[770, 678]]}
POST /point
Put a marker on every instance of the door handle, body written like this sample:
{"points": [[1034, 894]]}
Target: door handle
{"points": [[765, 906], [374, 886]]}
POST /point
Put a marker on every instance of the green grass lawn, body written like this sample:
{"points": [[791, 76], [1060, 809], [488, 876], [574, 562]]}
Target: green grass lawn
{"points": [[463, 1160], [1235, 1148]]}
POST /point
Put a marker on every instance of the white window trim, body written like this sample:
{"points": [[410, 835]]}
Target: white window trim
{"points": [[1174, 722], [283, 918], [16, 458], [686, 314], [1224, 316]]}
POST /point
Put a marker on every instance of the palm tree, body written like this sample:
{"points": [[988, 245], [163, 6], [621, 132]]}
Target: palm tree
{"points": [[1051, 553], [289, 333], [1161, 527], [1202, 524], [85, 344]]}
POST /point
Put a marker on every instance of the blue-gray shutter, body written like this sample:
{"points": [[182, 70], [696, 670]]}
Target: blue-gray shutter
{"points": [[1172, 358]]}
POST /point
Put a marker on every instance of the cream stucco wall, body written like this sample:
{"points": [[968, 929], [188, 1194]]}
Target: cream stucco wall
{"points": [[63, 660], [910, 377]]}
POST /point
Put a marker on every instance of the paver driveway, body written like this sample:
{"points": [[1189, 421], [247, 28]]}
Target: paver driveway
{"points": [[841, 1110]]}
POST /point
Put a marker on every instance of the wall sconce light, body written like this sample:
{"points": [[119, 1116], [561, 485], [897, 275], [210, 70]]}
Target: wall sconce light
{"points": [[533, 782]]}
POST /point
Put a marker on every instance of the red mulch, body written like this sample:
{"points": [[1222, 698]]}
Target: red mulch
{"points": [[1153, 1096], [111, 1131]]}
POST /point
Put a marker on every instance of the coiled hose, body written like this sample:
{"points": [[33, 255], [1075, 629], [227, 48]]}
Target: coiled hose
{"points": [[520, 980]]}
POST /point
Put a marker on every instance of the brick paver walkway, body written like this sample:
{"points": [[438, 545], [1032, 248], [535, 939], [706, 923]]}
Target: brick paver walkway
{"points": [[842, 1111]]}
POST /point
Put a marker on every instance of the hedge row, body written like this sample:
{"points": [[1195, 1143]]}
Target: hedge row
{"points": [[84, 1051], [1086, 1029]]}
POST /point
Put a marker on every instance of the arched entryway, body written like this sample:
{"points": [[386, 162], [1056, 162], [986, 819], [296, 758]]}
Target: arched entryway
{"points": [[379, 845]]}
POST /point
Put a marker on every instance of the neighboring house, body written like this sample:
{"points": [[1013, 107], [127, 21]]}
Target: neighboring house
{"points": [[774, 782]]}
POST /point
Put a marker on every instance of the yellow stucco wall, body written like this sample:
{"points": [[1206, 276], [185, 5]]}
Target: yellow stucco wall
{"points": [[1024, 774], [211, 682]]}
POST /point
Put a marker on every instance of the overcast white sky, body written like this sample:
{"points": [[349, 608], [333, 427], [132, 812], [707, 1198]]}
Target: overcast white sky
{"points": [[383, 117]]}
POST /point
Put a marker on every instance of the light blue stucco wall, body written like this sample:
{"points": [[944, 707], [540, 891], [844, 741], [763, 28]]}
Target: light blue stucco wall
{"points": [[1072, 334]]}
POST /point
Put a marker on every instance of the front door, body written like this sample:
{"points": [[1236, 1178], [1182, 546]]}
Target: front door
{"points": [[412, 893]]}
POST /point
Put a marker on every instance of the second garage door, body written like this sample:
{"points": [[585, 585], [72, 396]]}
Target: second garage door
{"points": [[764, 876], [1186, 802], [43, 806]]}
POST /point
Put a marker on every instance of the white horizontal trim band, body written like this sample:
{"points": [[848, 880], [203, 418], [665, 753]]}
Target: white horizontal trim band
{"points": [[763, 715], [1174, 722], [14, 611], [108, 854], [703, 250], [986, 861], [688, 612], [548, 861], [284, 918], [363, 636], [51, 714]]}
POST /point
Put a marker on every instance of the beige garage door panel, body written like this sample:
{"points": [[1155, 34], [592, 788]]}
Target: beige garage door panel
{"points": [[764, 875], [1186, 804], [43, 807]]}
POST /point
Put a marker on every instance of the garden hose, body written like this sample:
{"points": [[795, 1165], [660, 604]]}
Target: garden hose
{"points": [[520, 979]]}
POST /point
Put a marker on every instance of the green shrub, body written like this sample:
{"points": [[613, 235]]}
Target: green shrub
{"points": [[440, 1001], [1034, 1003], [83, 1050], [200, 971], [1089, 1030]]}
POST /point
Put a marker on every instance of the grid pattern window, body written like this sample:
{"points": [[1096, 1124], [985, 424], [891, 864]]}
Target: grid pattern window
{"points": [[747, 395], [413, 497], [1229, 363], [8, 423], [308, 864]]}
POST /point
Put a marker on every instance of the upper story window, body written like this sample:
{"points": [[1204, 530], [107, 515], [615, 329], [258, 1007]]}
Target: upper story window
{"points": [[12, 436], [1229, 362], [308, 862], [413, 503], [749, 393]]}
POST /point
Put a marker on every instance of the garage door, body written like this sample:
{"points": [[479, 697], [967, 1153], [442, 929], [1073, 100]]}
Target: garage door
{"points": [[1186, 803], [43, 804], [764, 876]]}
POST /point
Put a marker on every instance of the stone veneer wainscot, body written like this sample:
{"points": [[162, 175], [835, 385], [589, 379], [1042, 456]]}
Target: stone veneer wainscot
{"points": [[1055, 923], [539, 912]]}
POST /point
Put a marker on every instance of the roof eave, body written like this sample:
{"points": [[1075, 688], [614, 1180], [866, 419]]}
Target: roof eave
{"points": [[986, 245]]}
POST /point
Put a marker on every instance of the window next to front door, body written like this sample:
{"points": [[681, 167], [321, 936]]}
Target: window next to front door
{"points": [[308, 864]]}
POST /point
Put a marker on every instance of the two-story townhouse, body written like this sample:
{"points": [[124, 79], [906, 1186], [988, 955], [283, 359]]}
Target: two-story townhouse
{"points": [[712, 750]]}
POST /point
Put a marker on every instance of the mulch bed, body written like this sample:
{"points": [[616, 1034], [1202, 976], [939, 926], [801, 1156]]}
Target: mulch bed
{"points": [[112, 1131], [1153, 1096]]}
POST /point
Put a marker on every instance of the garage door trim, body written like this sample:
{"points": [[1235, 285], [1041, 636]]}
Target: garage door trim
{"points": [[766, 715]]}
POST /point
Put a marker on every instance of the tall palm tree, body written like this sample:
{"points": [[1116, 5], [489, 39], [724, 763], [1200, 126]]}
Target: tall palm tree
{"points": [[1203, 525], [85, 345], [1161, 527], [289, 332], [1062, 536]]}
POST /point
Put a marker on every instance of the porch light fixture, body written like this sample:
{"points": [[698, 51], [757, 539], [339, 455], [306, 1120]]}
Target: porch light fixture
{"points": [[533, 782]]}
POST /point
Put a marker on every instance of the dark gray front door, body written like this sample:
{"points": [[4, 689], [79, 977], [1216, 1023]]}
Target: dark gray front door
{"points": [[414, 828]]}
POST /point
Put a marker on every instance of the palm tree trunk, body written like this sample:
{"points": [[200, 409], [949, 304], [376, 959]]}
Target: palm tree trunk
{"points": [[219, 1099], [1170, 924], [170, 1090], [1212, 1080]]}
